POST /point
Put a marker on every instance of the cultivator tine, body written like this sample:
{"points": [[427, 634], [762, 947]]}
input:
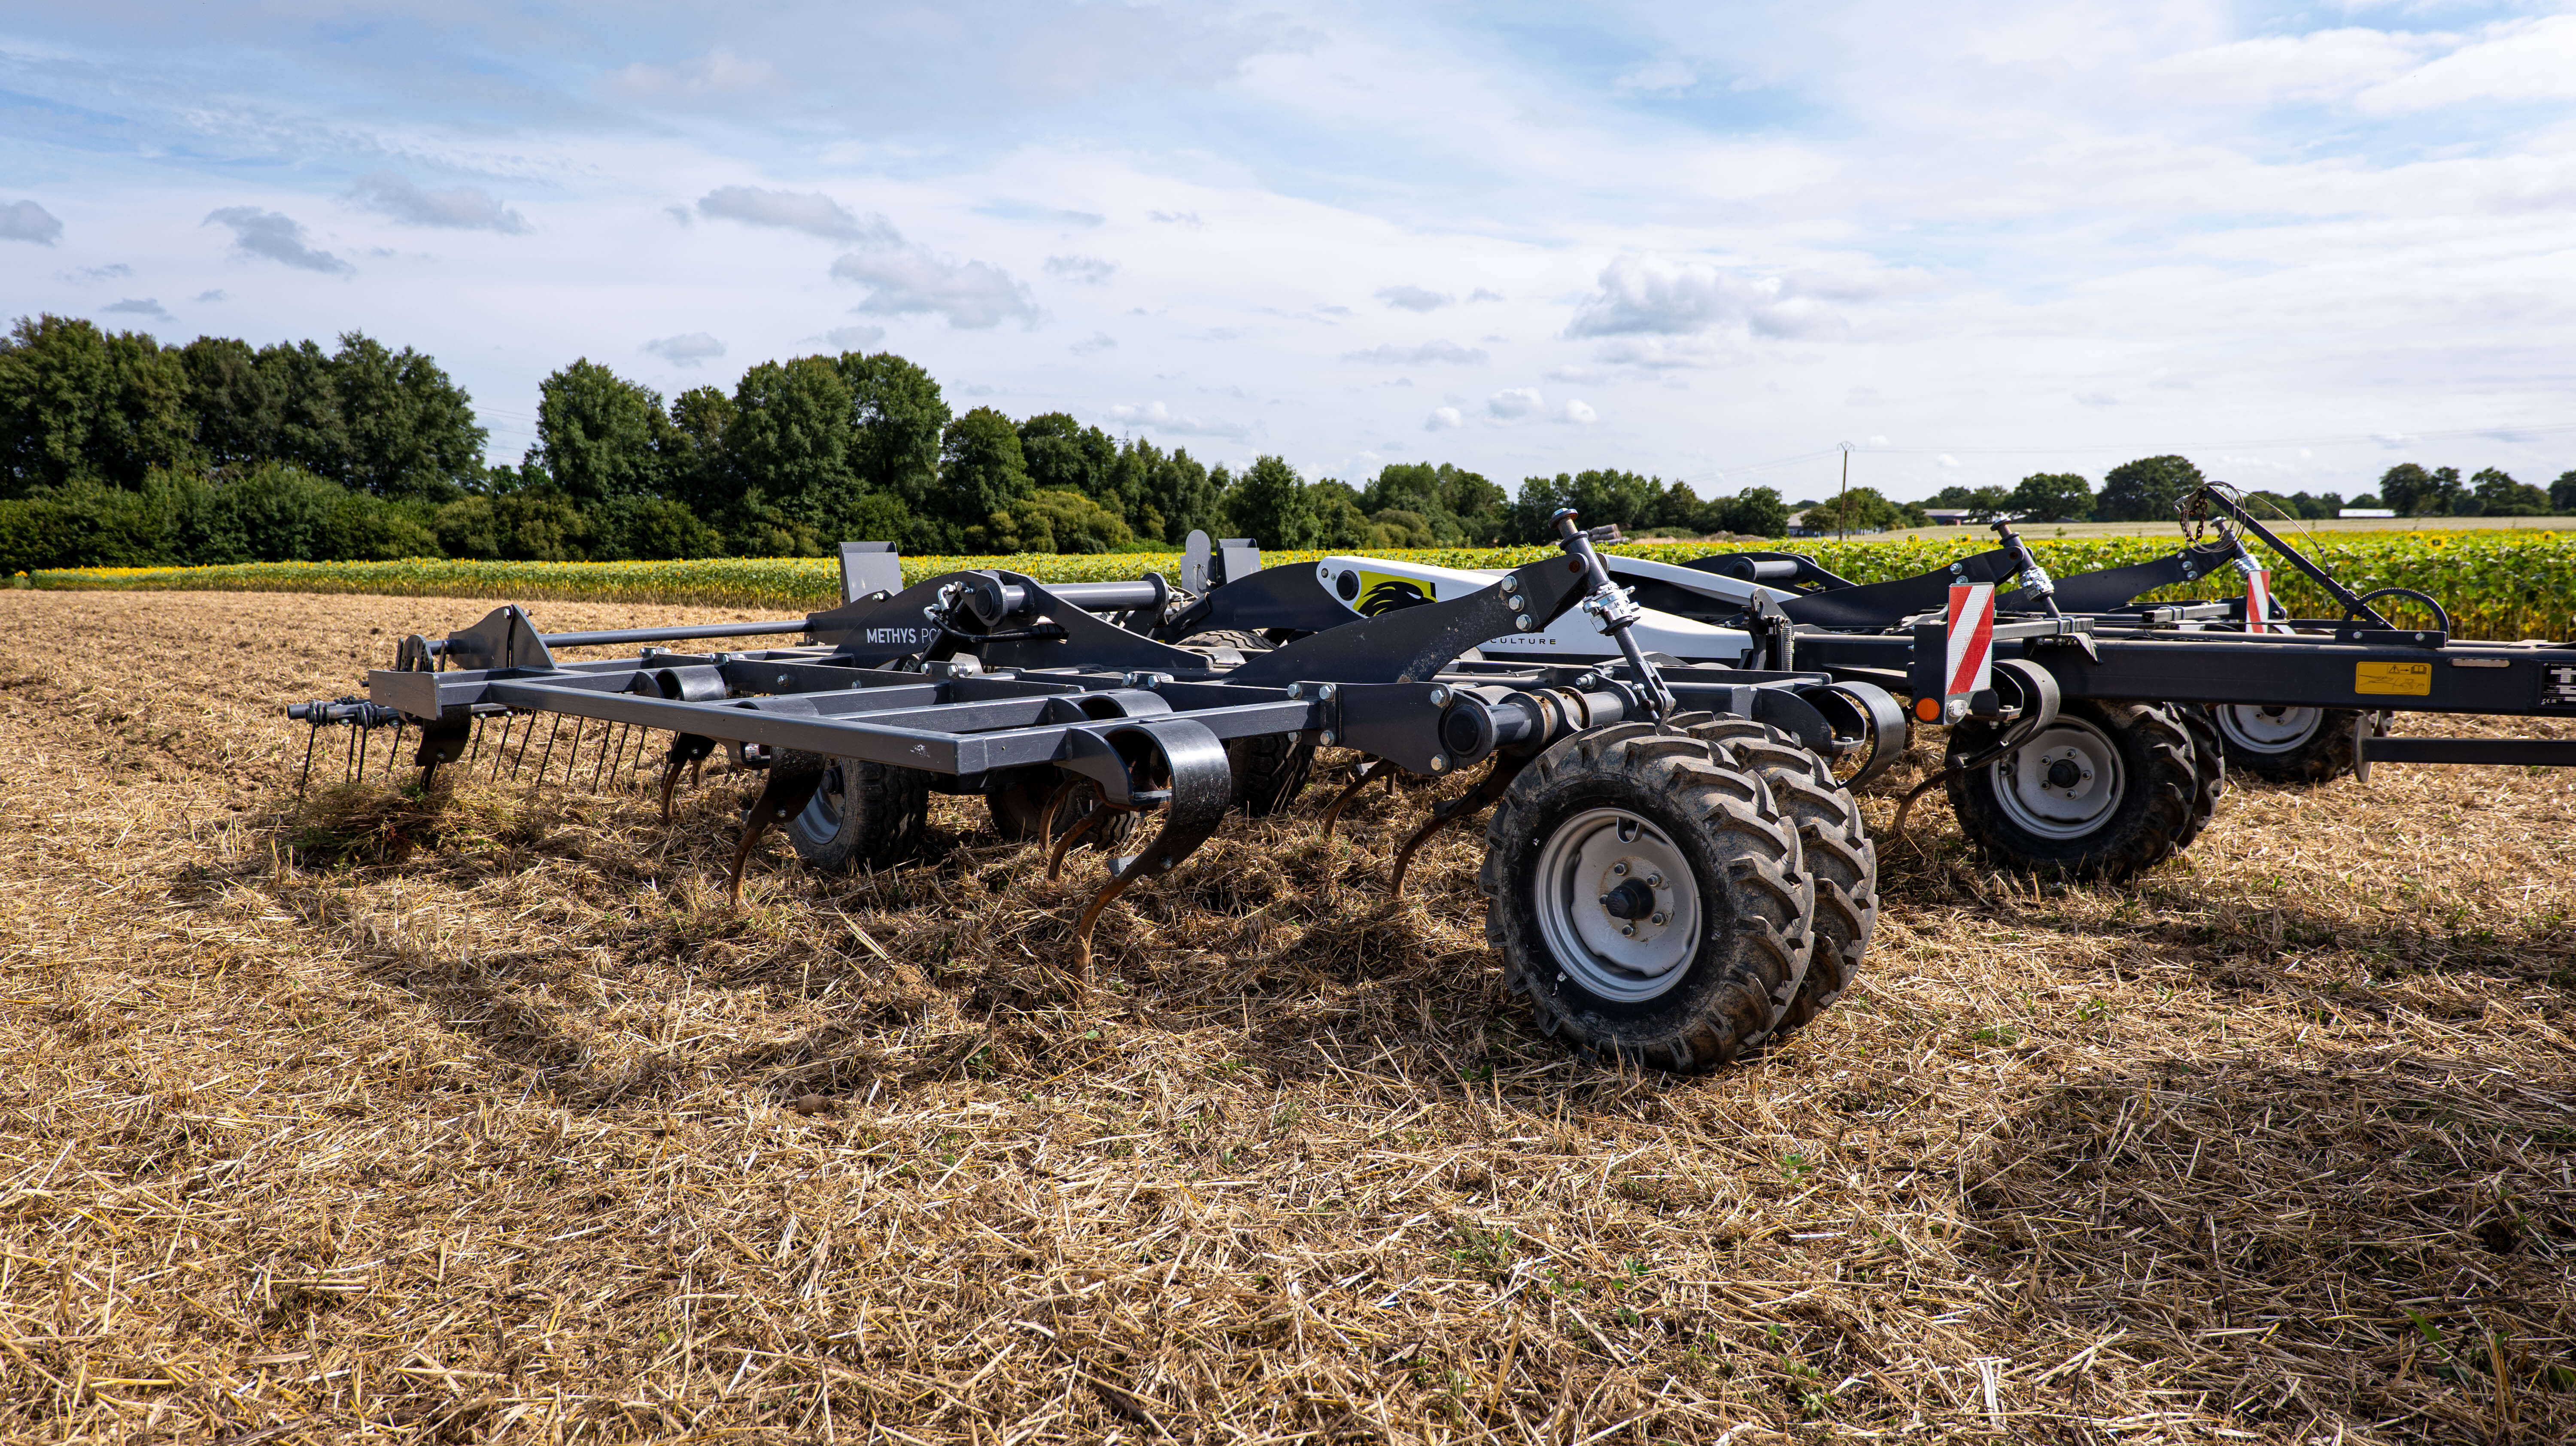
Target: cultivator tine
{"points": [[599, 764], [1368, 770], [781, 798], [396, 751], [357, 770], [1081, 826], [686, 749], [1465, 806]]}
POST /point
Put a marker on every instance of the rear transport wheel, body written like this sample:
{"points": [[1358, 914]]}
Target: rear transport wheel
{"points": [[2104, 791], [1645, 895], [1834, 848], [864, 816], [2208, 769], [2288, 745]]}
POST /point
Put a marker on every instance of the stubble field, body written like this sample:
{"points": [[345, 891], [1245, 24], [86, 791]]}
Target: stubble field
{"points": [[485, 1120]]}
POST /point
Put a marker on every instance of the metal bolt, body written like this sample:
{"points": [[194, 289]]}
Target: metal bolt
{"points": [[1326, 692], [1328, 738], [1522, 622], [1296, 690], [1628, 931], [1656, 920], [1655, 881], [1619, 870], [782, 680], [1439, 697], [1587, 680]]}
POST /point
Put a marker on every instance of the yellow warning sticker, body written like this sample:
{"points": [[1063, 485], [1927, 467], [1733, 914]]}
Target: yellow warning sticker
{"points": [[2414, 679]]}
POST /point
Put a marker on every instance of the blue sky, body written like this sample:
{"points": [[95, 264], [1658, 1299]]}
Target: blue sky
{"points": [[2295, 243]]}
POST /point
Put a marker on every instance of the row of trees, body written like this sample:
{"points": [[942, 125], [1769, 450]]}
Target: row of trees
{"points": [[2146, 490], [115, 449]]}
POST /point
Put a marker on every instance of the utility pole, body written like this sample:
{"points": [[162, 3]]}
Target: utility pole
{"points": [[1842, 507]]}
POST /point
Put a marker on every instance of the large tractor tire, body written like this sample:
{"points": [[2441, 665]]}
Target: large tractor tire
{"points": [[2208, 769], [1840, 862], [2105, 791], [2289, 745], [1645, 894], [1270, 770], [864, 816]]}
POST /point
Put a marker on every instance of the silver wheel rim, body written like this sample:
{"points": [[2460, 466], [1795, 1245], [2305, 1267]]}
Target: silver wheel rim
{"points": [[2063, 783], [1609, 859], [821, 819], [2269, 730]]}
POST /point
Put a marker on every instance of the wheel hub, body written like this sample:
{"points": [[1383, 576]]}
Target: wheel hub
{"points": [[2062, 784], [2266, 729], [1617, 902]]}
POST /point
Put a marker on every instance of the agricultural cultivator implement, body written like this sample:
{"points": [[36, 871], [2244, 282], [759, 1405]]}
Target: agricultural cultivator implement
{"points": [[1675, 871], [2090, 730]]}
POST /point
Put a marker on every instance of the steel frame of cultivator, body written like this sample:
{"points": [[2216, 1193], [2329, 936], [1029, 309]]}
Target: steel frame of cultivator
{"points": [[996, 682]]}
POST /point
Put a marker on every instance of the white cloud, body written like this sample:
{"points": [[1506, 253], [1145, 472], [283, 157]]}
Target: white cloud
{"points": [[1189, 219], [971, 294], [1100, 341], [687, 349], [143, 307], [2532, 60], [1650, 296], [1443, 419], [2320, 66], [1483, 293], [855, 338], [717, 75], [462, 208], [277, 237], [1513, 403], [1424, 355], [1085, 270], [1155, 416], [216, 295], [1038, 215], [1414, 298], [1579, 413], [811, 212], [27, 221], [1656, 77], [112, 271]]}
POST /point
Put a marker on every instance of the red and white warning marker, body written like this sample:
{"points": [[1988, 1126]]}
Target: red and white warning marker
{"points": [[1968, 657], [2258, 600]]}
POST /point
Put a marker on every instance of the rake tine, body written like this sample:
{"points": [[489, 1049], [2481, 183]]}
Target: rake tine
{"points": [[502, 750], [545, 759], [312, 734], [526, 737], [474, 750], [572, 763], [358, 750], [599, 763], [394, 752]]}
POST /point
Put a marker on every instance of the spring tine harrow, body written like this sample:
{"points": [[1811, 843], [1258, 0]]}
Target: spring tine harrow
{"points": [[1457, 810]]}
